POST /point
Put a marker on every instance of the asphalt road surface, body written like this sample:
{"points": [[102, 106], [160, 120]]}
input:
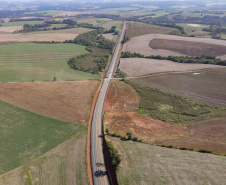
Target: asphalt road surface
{"points": [[99, 170]]}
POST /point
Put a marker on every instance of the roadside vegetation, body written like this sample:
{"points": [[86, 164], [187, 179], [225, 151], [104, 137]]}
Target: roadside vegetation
{"points": [[171, 107], [99, 48], [29, 135]]}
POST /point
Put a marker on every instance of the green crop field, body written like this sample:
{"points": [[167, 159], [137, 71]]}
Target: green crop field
{"points": [[25, 135], [20, 23], [38, 62], [146, 164]]}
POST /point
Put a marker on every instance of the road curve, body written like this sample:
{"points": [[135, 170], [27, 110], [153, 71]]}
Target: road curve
{"points": [[99, 170]]}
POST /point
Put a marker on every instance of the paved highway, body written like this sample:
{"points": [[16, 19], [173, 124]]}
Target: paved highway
{"points": [[99, 171]]}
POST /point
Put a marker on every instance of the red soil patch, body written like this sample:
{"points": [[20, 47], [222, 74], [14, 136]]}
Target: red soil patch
{"points": [[142, 127], [121, 97], [67, 101]]}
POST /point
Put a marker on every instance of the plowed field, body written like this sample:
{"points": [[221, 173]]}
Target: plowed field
{"points": [[166, 45], [67, 101]]}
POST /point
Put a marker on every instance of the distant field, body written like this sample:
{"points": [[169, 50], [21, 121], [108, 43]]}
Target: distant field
{"points": [[206, 85], [146, 164], [29, 61], [143, 66], [64, 31], [109, 24], [195, 29], [20, 23], [29, 135], [45, 13], [136, 29], [71, 102], [165, 45]]}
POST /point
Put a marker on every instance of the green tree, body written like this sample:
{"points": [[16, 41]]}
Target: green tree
{"points": [[129, 135]]}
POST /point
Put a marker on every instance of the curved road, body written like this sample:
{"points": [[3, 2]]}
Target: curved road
{"points": [[99, 171]]}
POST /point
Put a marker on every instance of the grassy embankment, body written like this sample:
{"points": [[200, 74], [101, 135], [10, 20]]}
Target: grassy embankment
{"points": [[38, 62], [171, 107], [29, 135]]}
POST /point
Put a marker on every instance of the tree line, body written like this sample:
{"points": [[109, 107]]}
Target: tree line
{"points": [[180, 59]]}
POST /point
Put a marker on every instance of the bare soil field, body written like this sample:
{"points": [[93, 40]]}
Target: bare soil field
{"points": [[65, 164], [146, 164], [207, 85], [135, 29], [143, 66], [9, 30], [140, 45], [209, 132], [36, 37], [188, 47], [68, 101]]}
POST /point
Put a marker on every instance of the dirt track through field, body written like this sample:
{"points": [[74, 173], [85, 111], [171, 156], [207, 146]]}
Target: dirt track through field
{"points": [[67, 101]]}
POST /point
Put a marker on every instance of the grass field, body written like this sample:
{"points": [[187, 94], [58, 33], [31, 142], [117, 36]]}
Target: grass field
{"points": [[136, 29], [171, 107], [195, 29], [146, 164], [20, 23], [29, 135], [29, 61]]}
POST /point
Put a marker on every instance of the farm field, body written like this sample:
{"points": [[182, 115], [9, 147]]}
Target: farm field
{"points": [[20, 23], [65, 100], [195, 29], [65, 31], [143, 66], [66, 163], [38, 62], [7, 35], [206, 85], [29, 135], [165, 45], [119, 117], [57, 37], [135, 29], [157, 165]]}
